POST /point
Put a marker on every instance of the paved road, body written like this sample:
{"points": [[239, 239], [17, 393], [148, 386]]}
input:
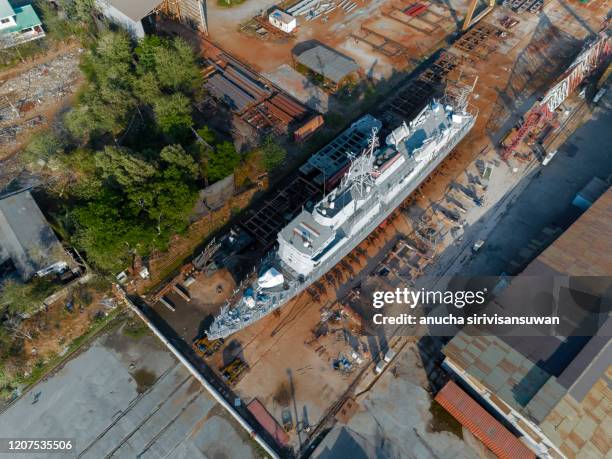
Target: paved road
{"points": [[126, 398], [545, 198], [541, 197]]}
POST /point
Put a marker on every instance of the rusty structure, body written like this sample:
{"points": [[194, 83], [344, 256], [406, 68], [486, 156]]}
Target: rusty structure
{"points": [[252, 98], [266, 222], [419, 90], [592, 56], [189, 12]]}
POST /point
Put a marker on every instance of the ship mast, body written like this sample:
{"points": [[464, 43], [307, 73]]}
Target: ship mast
{"points": [[360, 176], [457, 94]]}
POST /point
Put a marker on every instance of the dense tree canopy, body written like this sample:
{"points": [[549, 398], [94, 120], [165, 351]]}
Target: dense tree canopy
{"points": [[221, 161], [125, 193], [127, 163]]}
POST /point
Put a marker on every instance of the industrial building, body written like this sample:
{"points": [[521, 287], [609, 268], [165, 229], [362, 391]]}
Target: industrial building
{"points": [[554, 392], [335, 68], [18, 24], [26, 239]]}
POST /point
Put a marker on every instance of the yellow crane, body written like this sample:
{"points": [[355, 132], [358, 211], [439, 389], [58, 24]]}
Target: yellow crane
{"points": [[469, 22]]}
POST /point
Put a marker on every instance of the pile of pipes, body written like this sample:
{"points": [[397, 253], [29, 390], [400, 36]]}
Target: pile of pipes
{"points": [[348, 6], [312, 9]]}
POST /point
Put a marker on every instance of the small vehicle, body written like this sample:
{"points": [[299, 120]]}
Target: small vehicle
{"points": [[234, 371], [599, 95], [287, 419], [477, 245], [206, 348]]}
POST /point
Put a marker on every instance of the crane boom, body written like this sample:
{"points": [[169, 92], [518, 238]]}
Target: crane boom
{"points": [[469, 22]]}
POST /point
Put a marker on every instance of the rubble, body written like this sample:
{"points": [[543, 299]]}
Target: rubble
{"points": [[25, 95]]}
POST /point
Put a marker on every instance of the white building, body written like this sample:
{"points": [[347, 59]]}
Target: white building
{"points": [[282, 21], [18, 25], [129, 14]]}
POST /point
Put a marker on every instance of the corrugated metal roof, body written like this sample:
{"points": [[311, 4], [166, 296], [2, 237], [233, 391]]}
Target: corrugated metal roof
{"points": [[578, 251], [327, 62], [26, 236], [134, 9], [234, 96], [266, 420], [484, 426]]}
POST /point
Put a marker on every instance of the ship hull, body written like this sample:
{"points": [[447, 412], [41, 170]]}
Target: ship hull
{"points": [[281, 298]]}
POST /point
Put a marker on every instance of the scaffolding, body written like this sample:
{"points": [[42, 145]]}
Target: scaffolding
{"points": [[189, 12], [266, 222]]}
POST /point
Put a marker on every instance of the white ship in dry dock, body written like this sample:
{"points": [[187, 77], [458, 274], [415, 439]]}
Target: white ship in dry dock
{"points": [[376, 183]]}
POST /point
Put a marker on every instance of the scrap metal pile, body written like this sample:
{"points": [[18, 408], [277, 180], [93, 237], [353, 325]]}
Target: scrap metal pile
{"points": [[252, 98]]}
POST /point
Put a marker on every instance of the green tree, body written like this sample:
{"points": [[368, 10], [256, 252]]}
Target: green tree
{"points": [[173, 115], [100, 111], [23, 298], [273, 154], [207, 135], [146, 88], [176, 67], [221, 162], [145, 52], [83, 178], [167, 200], [110, 60], [120, 164], [109, 236], [43, 146], [106, 103], [176, 155], [79, 10], [56, 27]]}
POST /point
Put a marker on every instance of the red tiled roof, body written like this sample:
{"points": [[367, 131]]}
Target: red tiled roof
{"points": [[266, 420], [484, 426]]}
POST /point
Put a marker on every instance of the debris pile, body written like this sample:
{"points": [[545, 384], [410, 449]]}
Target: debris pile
{"points": [[26, 98]]}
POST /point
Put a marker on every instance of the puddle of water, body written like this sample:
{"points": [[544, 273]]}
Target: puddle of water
{"points": [[144, 379]]}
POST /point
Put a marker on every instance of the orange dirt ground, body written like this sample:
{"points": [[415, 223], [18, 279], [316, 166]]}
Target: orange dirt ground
{"points": [[267, 55]]}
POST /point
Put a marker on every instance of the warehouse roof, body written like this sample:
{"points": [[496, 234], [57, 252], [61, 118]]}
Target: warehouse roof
{"points": [[484, 426], [327, 62], [578, 251], [134, 9], [559, 383], [25, 235]]}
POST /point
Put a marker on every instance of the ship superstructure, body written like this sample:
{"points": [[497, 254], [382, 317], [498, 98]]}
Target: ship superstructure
{"points": [[376, 182]]}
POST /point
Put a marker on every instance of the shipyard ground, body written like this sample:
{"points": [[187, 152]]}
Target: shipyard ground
{"points": [[396, 418], [126, 396], [339, 31], [288, 369]]}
